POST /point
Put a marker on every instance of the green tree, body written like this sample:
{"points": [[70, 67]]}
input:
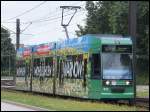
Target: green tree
{"points": [[118, 17], [97, 18], [7, 47], [7, 52], [143, 39], [111, 17], [143, 28]]}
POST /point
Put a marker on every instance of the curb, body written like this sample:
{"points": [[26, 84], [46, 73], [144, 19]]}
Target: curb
{"points": [[25, 105]]}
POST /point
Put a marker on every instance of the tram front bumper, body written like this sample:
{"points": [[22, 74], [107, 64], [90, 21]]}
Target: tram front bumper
{"points": [[117, 92], [117, 95]]}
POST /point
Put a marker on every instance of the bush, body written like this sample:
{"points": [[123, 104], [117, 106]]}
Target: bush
{"points": [[6, 73], [142, 79], [142, 70]]}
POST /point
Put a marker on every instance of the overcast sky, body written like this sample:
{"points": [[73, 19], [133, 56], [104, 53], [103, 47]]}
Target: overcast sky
{"points": [[48, 15]]}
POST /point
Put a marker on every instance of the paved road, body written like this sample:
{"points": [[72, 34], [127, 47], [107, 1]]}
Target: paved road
{"points": [[12, 107], [142, 88]]}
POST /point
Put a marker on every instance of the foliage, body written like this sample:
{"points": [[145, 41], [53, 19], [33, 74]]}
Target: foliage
{"points": [[6, 46], [7, 51], [143, 28], [142, 79], [111, 17]]}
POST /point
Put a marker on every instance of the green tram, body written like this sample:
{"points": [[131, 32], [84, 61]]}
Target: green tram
{"points": [[92, 66]]}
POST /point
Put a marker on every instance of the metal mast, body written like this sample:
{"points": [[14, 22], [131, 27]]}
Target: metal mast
{"points": [[17, 34], [65, 25], [132, 32]]}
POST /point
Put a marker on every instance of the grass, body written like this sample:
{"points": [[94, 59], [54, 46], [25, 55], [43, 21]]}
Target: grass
{"points": [[62, 104], [143, 94]]}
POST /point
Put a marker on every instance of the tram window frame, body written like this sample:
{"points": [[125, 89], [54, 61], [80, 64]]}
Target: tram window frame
{"points": [[60, 76], [93, 67]]}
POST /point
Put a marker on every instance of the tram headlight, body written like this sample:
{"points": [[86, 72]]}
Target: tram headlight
{"points": [[113, 82], [107, 82], [127, 82]]}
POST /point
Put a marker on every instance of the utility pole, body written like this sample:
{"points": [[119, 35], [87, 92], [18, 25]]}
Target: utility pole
{"points": [[17, 33], [132, 32], [32, 69], [65, 25], [54, 70], [17, 45]]}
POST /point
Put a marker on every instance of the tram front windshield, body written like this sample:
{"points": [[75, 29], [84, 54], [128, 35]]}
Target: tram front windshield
{"points": [[117, 65]]}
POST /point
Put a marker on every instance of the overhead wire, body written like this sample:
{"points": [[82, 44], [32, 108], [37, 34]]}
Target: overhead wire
{"points": [[53, 12], [43, 18], [40, 21], [58, 12], [50, 30], [50, 17], [50, 13], [21, 33], [26, 28], [7, 29], [46, 20], [53, 29], [54, 20], [14, 22], [28, 10], [13, 32], [31, 10]]}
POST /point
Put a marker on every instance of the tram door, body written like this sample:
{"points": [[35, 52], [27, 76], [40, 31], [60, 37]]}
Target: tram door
{"points": [[95, 78]]}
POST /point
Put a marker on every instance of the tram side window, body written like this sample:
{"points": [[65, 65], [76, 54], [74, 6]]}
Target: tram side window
{"points": [[96, 66]]}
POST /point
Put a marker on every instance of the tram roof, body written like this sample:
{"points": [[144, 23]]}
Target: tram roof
{"points": [[89, 38], [96, 38], [104, 35]]}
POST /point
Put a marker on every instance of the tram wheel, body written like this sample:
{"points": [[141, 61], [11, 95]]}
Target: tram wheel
{"points": [[131, 102]]}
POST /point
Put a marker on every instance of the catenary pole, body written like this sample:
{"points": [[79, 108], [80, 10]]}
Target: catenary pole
{"points": [[132, 32]]}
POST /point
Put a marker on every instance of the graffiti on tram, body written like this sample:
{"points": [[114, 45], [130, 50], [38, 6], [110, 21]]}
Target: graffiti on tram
{"points": [[71, 67]]}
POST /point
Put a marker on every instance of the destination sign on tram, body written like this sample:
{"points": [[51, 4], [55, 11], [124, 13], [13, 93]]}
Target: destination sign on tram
{"points": [[117, 48]]}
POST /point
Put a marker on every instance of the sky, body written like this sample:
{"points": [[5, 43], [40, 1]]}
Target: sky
{"points": [[46, 20]]}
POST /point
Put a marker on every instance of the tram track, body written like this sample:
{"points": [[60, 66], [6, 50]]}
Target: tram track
{"points": [[142, 102], [139, 102]]}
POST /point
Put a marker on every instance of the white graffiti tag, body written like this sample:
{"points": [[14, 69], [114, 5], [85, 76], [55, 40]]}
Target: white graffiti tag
{"points": [[21, 71], [73, 69], [43, 70]]}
